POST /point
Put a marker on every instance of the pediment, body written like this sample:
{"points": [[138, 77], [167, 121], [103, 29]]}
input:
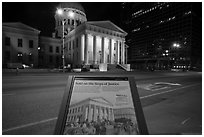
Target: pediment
{"points": [[19, 25], [107, 25], [101, 100]]}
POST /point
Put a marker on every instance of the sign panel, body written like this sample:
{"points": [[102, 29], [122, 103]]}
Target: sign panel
{"points": [[100, 106]]}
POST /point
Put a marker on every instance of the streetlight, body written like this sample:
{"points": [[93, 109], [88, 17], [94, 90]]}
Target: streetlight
{"points": [[176, 45], [71, 15]]}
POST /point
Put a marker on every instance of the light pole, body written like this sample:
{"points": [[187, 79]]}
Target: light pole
{"points": [[63, 57], [70, 14]]}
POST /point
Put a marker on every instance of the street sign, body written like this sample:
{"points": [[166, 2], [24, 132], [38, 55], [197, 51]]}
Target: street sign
{"points": [[97, 105]]}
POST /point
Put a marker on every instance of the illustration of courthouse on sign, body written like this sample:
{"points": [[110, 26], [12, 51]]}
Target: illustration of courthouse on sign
{"points": [[97, 101], [91, 109]]}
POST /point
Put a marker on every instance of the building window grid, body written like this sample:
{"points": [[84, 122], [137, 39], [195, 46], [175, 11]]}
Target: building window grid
{"points": [[50, 49], [7, 41], [57, 49], [7, 55], [30, 43], [50, 59], [20, 42]]}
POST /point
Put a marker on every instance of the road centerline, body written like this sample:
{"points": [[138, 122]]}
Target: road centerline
{"points": [[29, 124]]}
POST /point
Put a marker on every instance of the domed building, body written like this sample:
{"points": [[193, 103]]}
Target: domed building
{"points": [[91, 43], [88, 42], [72, 14]]}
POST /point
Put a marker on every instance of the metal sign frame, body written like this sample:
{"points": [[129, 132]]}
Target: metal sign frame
{"points": [[61, 121]]}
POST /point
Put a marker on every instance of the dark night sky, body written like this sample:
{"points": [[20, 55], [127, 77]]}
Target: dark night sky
{"points": [[40, 15]]}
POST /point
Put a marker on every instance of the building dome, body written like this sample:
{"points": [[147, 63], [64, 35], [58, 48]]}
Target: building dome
{"points": [[72, 14], [74, 5]]}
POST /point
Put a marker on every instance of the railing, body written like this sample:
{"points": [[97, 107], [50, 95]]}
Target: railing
{"points": [[125, 66]]}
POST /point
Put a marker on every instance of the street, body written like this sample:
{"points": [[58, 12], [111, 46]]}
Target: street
{"points": [[172, 101]]}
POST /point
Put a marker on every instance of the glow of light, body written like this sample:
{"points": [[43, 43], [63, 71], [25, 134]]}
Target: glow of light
{"points": [[38, 48], [167, 51], [176, 45], [59, 11], [163, 54], [71, 14]]}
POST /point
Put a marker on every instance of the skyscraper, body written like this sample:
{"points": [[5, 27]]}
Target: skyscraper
{"points": [[164, 35]]}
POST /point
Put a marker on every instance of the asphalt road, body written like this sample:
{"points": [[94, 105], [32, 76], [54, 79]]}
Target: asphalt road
{"points": [[172, 102]]}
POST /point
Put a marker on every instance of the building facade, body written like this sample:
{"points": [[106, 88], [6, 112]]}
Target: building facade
{"points": [[19, 44], [95, 43], [88, 42], [75, 41], [50, 52], [91, 109], [164, 35]]}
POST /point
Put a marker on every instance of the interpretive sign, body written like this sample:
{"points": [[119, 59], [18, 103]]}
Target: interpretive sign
{"points": [[95, 105]]}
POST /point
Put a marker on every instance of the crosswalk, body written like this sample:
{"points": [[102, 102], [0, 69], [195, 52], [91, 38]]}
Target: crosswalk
{"points": [[157, 86]]}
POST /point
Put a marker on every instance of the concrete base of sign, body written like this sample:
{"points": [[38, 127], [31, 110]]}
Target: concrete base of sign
{"points": [[103, 67], [77, 70]]}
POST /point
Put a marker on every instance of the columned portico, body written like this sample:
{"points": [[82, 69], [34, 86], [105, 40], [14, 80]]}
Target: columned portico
{"points": [[97, 45], [97, 49]]}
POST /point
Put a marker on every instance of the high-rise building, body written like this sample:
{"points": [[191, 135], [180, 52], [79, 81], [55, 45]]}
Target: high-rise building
{"points": [[164, 35]]}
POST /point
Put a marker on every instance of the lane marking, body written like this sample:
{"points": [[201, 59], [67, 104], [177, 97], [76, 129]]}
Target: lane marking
{"points": [[160, 88], [8, 94], [30, 124], [55, 118], [185, 121], [167, 83], [168, 91]]}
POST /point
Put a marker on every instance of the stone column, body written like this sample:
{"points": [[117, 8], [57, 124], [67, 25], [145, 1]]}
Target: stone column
{"points": [[86, 113], [81, 50], [89, 114], [106, 113], [123, 46], [122, 50], [110, 51], [102, 112], [117, 51], [103, 49], [99, 112], [95, 114], [94, 50], [112, 114], [86, 48], [109, 113]]}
